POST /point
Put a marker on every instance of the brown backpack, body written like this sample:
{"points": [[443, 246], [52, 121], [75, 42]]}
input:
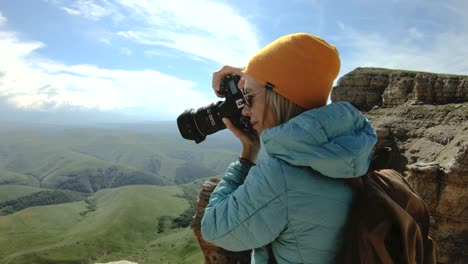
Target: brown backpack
{"points": [[388, 223]]}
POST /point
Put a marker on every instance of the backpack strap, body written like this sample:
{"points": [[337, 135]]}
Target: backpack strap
{"points": [[381, 159], [271, 257]]}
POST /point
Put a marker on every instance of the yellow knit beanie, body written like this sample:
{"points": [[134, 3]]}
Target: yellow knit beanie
{"points": [[300, 67]]}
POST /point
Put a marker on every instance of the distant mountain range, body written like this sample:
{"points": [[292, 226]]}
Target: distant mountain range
{"points": [[87, 159], [82, 194]]}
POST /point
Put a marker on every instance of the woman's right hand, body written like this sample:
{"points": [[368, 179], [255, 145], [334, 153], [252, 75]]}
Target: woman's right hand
{"points": [[225, 70], [250, 141]]}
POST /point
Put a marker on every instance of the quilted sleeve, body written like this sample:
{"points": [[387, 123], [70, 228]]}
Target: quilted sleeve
{"points": [[248, 208]]}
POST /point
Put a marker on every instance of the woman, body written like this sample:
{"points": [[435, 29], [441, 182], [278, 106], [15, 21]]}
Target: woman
{"points": [[295, 200]]}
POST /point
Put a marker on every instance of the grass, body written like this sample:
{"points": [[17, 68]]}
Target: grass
{"points": [[112, 224], [10, 192], [48, 156], [123, 225], [9, 177], [179, 246]]}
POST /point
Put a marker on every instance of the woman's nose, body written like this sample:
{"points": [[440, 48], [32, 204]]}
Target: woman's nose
{"points": [[246, 110]]}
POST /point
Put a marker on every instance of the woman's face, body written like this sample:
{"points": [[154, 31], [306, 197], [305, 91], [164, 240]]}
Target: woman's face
{"points": [[261, 115]]}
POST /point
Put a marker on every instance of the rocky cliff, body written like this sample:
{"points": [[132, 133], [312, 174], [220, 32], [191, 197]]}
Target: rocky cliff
{"points": [[423, 117], [214, 254], [369, 87]]}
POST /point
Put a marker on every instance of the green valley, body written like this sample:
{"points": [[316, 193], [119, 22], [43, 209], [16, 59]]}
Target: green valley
{"points": [[90, 158], [103, 193], [122, 226]]}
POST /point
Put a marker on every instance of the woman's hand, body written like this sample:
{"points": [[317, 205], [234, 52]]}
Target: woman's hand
{"points": [[250, 142], [225, 70]]}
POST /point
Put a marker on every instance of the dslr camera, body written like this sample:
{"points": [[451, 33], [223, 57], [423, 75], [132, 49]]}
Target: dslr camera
{"points": [[197, 124]]}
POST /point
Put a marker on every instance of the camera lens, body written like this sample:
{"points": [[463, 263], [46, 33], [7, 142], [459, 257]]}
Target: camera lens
{"points": [[196, 125]]}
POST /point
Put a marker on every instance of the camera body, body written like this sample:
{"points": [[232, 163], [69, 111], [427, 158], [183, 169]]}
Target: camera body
{"points": [[197, 124]]}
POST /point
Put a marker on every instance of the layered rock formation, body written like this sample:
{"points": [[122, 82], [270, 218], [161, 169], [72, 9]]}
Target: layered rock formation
{"points": [[368, 87], [119, 262], [214, 254], [423, 117]]}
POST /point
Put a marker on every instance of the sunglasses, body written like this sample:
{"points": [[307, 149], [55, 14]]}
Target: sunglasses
{"points": [[248, 97]]}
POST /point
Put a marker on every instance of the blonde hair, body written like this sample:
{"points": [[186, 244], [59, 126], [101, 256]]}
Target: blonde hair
{"points": [[283, 109]]}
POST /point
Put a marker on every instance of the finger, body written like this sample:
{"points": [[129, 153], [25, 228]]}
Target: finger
{"points": [[236, 131], [216, 81], [219, 74], [225, 70], [241, 83]]}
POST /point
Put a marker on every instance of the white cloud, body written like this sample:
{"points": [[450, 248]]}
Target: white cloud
{"points": [[89, 9], [3, 19], [126, 51], [29, 81], [71, 11], [444, 54], [151, 53], [441, 49], [414, 33], [105, 41], [205, 28]]}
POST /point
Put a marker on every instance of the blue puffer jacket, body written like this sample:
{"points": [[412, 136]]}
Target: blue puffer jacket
{"points": [[294, 199]]}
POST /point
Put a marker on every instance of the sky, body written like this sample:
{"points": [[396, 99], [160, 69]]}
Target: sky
{"points": [[149, 60]]}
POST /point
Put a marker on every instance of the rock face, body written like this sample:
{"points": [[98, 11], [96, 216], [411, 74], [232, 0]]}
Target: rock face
{"points": [[214, 254], [423, 118], [119, 262], [368, 87]]}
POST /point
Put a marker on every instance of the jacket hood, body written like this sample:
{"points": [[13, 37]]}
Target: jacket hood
{"points": [[335, 140]]}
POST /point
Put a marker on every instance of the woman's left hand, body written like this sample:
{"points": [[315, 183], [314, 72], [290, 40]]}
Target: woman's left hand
{"points": [[250, 142]]}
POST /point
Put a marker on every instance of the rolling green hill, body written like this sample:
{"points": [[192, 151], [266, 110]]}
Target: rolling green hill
{"points": [[123, 225], [14, 178], [100, 194], [11, 192], [42, 197], [90, 159]]}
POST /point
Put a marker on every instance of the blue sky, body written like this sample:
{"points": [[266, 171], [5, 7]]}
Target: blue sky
{"points": [[151, 59]]}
